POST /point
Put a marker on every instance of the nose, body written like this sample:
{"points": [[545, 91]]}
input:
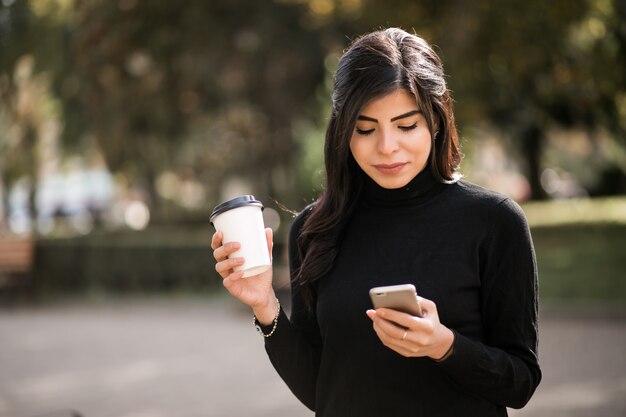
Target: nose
{"points": [[387, 143]]}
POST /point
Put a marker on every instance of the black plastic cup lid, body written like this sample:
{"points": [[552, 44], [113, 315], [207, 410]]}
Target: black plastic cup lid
{"points": [[244, 200]]}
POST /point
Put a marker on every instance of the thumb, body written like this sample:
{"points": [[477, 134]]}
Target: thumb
{"points": [[429, 307]]}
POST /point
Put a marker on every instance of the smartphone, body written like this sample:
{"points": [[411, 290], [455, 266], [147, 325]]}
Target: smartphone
{"points": [[397, 297]]}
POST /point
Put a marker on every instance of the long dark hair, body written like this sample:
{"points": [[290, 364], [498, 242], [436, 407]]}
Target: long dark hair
{"points": [[374, 65]]}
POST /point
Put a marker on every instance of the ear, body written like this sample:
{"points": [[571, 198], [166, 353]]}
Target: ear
{"points": [[435, 130]]}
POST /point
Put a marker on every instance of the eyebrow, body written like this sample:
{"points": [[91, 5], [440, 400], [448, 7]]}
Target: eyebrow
{"points": [[393, 119]]}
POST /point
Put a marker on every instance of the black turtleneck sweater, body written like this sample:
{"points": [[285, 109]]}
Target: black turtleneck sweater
{"points": [[467, 249]]}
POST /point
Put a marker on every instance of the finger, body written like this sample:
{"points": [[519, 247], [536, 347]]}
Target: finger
{"points": [[233, 277], [403, 347], [428, 306], [407, 344], [223, 252], [387, 328], [230, 283], [399, 318], [226, 267], [387, 334], [419, 329], [216, 240]]}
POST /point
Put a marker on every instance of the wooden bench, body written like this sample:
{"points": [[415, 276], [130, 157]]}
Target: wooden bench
{"points": [[16, 260]]}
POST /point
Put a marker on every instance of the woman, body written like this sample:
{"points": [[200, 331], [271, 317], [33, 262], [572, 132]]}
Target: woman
{"points": [[394, 211]]}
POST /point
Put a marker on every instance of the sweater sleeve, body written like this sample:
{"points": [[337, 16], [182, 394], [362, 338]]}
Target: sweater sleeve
{"points": [[503, 368], [295, 347]]}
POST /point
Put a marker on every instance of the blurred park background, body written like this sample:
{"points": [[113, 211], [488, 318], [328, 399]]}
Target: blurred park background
{"points": [[124, 122]]}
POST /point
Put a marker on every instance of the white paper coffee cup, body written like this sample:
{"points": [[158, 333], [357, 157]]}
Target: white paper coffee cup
{"points": [[241, 220]]}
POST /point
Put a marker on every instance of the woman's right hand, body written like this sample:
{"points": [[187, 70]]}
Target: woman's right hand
{"points": [[255, 291]]}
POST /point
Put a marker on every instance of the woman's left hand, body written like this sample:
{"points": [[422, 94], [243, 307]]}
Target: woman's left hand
{"points": [[412, 336]]}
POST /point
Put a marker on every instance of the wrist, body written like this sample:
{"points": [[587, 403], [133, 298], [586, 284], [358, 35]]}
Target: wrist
{"points": [[446, 347], [259, 326], [266, 313]]}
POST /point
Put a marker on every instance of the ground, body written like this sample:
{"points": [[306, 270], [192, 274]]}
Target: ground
{"points": [[200, 356]]}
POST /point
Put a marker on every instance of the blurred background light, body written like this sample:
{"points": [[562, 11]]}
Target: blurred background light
{"points": [[137, 215]]}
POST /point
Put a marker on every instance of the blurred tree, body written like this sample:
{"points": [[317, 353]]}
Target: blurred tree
{"points": [[211, 89], [551, 68], [208, 86], [205, 89], [29, 111]]}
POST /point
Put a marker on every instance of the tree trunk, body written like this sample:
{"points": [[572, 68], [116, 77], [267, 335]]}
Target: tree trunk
{"points": [[532, 147]]}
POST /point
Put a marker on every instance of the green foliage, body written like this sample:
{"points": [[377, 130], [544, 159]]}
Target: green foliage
{"points": [[155, 260], [577, 262], [583, 211], [207, 89], [581, 262], [212, 89], [124, 262], [524, 66], [580, 246]]}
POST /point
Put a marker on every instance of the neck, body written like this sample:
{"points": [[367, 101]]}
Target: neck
{"points": [[420, 188]]}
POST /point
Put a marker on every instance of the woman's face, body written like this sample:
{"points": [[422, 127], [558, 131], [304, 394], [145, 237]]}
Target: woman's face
{"points": [[391, 141]]}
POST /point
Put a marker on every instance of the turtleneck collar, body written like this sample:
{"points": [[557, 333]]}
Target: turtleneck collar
{"points": [[423, 187]]}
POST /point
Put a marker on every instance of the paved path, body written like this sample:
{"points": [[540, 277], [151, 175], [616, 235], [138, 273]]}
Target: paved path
{"points": [[202, 358]]}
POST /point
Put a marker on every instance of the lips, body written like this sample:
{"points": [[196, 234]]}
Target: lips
{"points": [[390, 168]]}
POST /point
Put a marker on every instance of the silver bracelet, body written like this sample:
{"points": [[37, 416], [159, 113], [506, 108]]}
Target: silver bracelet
{"points": [[256, 323]]}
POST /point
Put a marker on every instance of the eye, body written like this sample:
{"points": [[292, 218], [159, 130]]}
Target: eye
{"points": [[407, 128], [364, 132]]}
